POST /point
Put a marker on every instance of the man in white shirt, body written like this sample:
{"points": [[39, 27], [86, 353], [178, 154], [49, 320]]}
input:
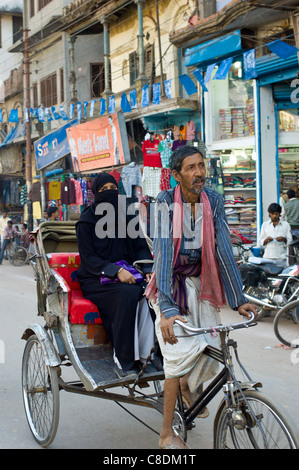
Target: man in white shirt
{"points": [[275, 235], [3, 224]]}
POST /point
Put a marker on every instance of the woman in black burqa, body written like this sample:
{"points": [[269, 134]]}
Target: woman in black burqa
{"points": [[120, 303]]}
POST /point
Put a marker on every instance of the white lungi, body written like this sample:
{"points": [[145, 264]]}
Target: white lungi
{"points": [[186, 356]]}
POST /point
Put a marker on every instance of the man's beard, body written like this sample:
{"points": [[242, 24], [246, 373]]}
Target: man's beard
{"points": [[197, 189]]}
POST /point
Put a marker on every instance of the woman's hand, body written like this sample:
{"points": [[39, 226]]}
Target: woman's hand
{"points": [[148, 277], [125, 276]]}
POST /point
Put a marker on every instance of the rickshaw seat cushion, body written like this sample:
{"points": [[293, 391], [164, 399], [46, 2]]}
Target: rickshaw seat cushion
{"points": [[83, 311], [66, 264]]}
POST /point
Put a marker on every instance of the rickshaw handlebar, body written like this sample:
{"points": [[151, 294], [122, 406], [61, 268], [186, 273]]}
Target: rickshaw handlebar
{"points": [[218, 328]]}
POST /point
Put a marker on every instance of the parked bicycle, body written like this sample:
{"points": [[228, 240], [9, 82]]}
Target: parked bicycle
{"points": [[17, 255]]}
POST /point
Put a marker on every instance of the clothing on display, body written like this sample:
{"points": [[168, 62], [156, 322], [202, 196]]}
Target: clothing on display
{"points": [[54, 190], [165, 149], [151, 181], [151, 156], [131, 176]]}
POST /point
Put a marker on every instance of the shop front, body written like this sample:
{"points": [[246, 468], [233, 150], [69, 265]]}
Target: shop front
{"points": [[69, 159], [278, 137], [13, 190], [228, 129]]}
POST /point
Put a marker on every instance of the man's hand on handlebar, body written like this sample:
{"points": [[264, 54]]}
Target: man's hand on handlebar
{"points": [[245, 310], [167, 328]]}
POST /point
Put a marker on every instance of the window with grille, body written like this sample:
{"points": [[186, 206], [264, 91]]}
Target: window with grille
{"points": [[32, 9], [48, 90], [97, 79], [133, 67], [17, 28], [43, 3], [149, 64], [61, 85], [35, 95]]}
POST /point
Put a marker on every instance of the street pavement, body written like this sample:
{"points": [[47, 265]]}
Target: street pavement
{"points": [[90, 423]]}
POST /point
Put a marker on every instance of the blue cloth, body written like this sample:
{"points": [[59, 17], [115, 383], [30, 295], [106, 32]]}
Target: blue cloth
{"points": [[145, 96], [197, 74], [188, 84], [223, 69], [249, 64], [125, 105], [156, 93], [163, 254], [282, 49], [167, 88]]}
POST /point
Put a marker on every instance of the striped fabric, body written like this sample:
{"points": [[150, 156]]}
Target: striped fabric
{"points": [[163, 250]]}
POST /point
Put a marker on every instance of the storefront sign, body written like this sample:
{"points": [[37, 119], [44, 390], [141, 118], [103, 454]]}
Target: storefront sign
{"points": [[52, 147], [100, 143]]}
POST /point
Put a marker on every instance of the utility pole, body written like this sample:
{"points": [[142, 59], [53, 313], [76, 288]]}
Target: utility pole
{"points": [[28, 165]]}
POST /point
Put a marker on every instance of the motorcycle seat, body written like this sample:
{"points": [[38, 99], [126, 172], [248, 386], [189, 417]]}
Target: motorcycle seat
{"points": [[271, 268]]}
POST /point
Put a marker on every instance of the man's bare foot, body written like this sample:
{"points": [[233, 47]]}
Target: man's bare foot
{"points": [[172, 442]]}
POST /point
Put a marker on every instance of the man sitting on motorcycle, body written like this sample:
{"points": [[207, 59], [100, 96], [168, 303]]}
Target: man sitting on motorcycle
{"points": [[276, 235]]}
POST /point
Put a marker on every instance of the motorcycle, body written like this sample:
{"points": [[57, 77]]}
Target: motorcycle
{"points": [[268, 286]]}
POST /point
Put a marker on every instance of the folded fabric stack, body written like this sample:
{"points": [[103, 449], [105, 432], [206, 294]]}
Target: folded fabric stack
{"points": [[249, 182], [288, 180], [225, 123], [232, 216], [243, 165], [247, 216], [287, 165], [250, 200], [249, 120], [238, 126]]}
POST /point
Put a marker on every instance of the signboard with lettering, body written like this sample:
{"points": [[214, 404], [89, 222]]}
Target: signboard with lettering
{"points": [[52, 146], [100, 143]]}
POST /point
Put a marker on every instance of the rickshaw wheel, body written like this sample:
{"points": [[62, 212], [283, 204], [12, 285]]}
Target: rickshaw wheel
{"points": [[40, 393]]}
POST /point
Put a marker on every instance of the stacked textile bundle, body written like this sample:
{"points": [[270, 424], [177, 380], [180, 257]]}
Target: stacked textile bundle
{"points": [[238, 127], [225, 123]]}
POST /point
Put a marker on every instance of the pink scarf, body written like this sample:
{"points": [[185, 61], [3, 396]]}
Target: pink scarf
{"points": [[211, 286]]}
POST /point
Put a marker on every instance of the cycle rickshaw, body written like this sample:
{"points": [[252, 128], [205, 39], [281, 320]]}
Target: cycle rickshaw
{"points": [[73, 335]]}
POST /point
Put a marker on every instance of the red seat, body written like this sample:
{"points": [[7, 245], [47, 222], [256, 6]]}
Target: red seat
{"points": [[81, 310]]}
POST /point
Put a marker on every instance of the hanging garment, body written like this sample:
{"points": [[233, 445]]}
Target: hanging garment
{"points": [[151, 156], [54, 190], [151, 181], [190, 130], [178, 143], [165, 149], [165, 179], [78, 192], [68, 195], [131, 176], [83, 189]]}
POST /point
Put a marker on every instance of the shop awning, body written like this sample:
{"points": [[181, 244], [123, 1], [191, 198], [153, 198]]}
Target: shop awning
{"points": [[271, 68], [16, 135], [214, 49]]}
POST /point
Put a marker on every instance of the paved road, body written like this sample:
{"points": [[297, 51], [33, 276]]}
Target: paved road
{"points": [[90, 423]]}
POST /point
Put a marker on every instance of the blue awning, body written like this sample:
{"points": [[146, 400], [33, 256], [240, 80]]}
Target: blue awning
{"points": [[18, 131], [214, 49]]}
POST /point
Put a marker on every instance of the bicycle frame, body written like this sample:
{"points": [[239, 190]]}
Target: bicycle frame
{"points": [[224, 380]]}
